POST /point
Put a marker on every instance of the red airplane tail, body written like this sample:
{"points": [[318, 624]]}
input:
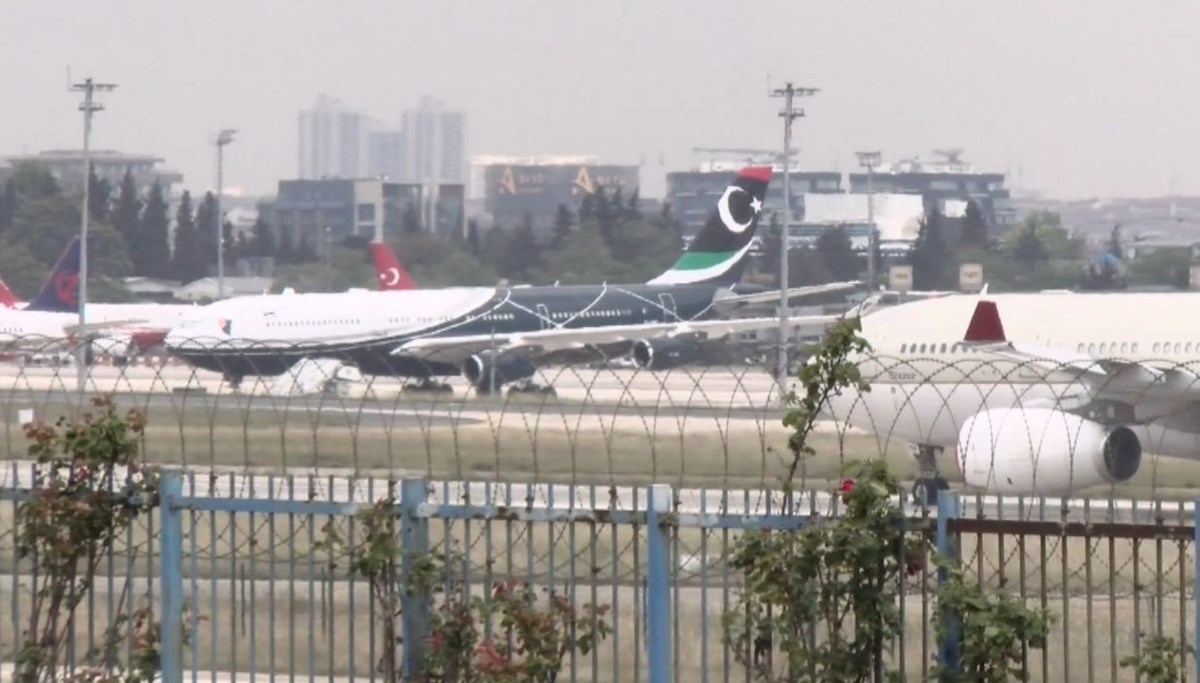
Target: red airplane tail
{"points": [[7, 298], [392, 275]]}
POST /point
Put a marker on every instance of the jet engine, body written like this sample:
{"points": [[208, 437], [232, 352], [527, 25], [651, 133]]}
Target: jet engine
{"points": [[481, 369], [1042, 451], [664, 354]]}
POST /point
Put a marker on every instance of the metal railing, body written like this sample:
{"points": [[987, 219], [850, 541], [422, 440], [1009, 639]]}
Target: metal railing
{"points": [[261, 597]]}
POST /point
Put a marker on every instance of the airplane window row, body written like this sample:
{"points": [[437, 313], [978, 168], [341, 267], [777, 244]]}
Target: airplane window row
{"points": [[1123, 347], [300, 323], [934, 348], [593, 313]]}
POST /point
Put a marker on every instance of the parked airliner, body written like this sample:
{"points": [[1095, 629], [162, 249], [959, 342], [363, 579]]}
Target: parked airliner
{"points": [[1040, 394], [495, 336]]}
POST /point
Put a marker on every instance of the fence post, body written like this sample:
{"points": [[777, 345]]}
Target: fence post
{"points": [[658, 584], [1195, 586], [947, 546], [414, 543], [170, 567]]}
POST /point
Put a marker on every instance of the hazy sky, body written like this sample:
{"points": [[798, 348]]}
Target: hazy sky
{"points": [[1083, 97]]}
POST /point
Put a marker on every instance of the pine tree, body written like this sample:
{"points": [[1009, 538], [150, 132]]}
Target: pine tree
{"points": [[562, 222], [185, 265], [262, 240], [8, 204], [837, 254], [473, 245], [974, 227], [411, 220], [99, 196], [228, 244], [206, 238], [151, 252], [1030, 250], [127, 211], [1114, 243], [930, 255]]}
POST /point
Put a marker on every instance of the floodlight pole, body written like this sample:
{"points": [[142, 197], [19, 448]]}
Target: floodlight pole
{"points": [[870, 160], [89, 106], [790, 113], [223, 138]]}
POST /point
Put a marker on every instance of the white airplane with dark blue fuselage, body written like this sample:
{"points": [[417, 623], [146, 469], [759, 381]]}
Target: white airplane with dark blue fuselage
{"points": [[499, 335]]}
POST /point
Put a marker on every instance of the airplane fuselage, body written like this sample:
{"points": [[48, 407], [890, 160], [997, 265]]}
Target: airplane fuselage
{"points": [[266, 335]]}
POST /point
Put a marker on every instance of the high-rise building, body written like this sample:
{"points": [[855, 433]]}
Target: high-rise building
{"points": [[332, 138], [434, 144]]}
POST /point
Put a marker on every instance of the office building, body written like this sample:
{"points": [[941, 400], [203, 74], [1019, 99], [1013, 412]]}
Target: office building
{"points": [[516, 189], [67, 168], [332, 140], [323, 213]]}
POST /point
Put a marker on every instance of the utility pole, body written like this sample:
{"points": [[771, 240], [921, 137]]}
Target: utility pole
{"points": [[89, 106], [870, 160], [223, 138], [790, 113]]}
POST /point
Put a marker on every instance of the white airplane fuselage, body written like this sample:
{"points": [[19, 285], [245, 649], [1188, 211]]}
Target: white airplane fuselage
{"points": [[925, 383]]}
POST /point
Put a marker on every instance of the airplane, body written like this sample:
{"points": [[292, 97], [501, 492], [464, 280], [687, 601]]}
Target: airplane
{"points": [[1043, 394], [499, 335]]}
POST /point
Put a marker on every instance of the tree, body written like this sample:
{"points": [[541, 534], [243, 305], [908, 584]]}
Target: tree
{"points": [[262, 239], [228, 244], [1114, 243], [473, 244], [206, 239], [99, 196], [974, 227], [8, 204], [128, 208], [837, 254], [187, 261], [1029, 249], [32, 181], [563, 221], [151, 251], [930, 255]]}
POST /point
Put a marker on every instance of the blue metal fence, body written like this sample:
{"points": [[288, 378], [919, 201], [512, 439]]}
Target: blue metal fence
{"points": [[249, 582]]}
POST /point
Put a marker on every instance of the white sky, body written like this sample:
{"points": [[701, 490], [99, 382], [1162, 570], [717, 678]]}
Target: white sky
{"points": [[1084, 97]]}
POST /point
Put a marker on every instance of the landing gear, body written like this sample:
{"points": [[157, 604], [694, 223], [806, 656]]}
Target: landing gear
{"points": [[427, 385], [929, 482], [234, 382], [528, 386]]}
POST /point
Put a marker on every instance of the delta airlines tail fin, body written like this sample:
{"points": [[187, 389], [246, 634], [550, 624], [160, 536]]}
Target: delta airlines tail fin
{"points": [[7, 298], [718, 253], [60, 291], [392, 275]]}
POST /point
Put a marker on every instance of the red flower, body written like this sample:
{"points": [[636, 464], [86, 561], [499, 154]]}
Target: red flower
{"points": [[846, 487]]}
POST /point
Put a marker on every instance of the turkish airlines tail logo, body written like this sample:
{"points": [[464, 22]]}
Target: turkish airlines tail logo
{"points": [[392, 275], [60, 292], [7, 298]]}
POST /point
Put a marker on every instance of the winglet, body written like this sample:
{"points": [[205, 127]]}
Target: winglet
{"points": [[985, 324]]}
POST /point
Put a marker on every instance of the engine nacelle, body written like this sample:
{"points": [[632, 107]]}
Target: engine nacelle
{"points": [[483, 368], [1042, 451], [664, 354]]}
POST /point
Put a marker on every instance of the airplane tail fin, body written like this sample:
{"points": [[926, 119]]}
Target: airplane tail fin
{"points": [[391, 274], [7, 298], [718, 253], [60, 291]]}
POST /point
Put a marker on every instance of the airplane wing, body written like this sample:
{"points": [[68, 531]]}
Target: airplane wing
{"points": [[1104, 377], [792, 293], [455, 349], [89, 328]]}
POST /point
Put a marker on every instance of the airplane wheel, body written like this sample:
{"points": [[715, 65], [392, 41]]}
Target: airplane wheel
{"points": [[925, 490]]}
